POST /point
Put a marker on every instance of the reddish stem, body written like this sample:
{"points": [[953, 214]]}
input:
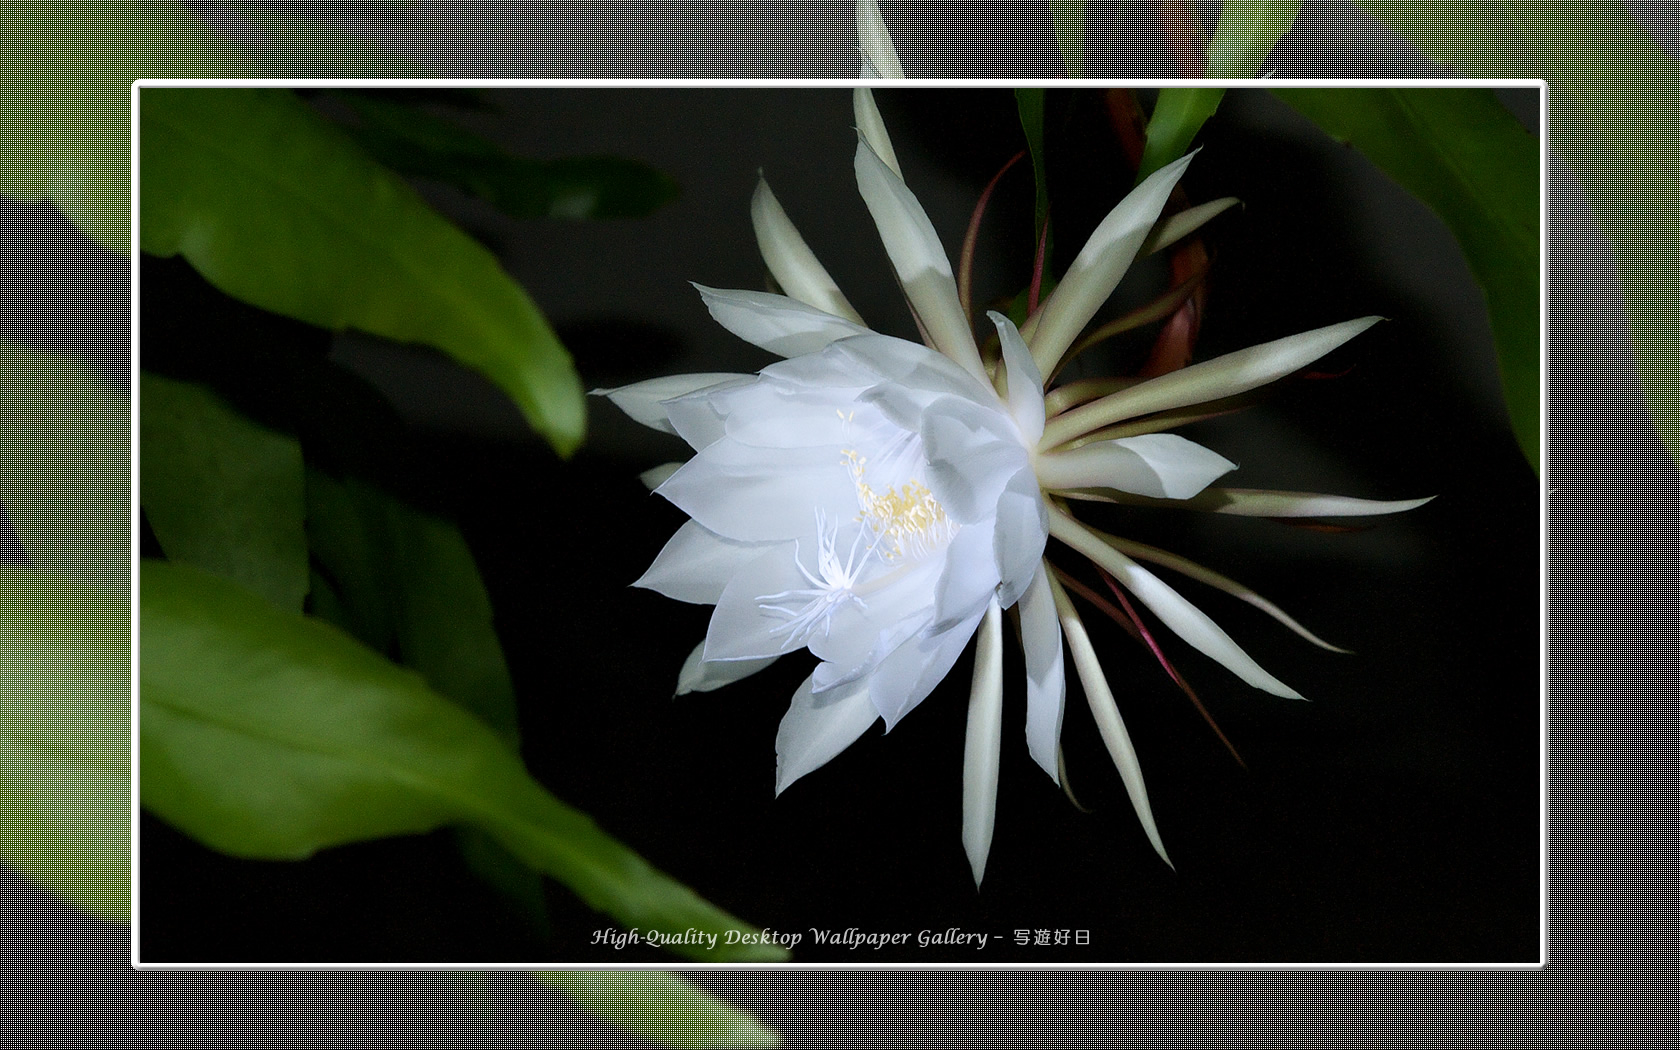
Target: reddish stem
{"points": [[965, 263]]}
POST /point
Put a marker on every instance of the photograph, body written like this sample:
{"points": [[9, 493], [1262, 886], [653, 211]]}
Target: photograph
{"points": [[986, 451]]}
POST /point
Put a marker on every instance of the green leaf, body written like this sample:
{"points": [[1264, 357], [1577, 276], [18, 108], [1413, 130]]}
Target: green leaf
{"points": [[405, 584], [1460, 152], [1029, 103], [1179, 113], [419, 144], [1246, 34], [221, 492], [662, 1007], [64, 748], [1069, 17], [64, 465], [408, 587], [276, 206], [272, 735], [1615, 120], [64, 122]]}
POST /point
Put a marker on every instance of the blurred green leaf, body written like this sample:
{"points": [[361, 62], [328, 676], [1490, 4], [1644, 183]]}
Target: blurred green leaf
{"points": [[1069, 18], [64, 707], [1615, 120], [64, 465], [221, 492], [1179, 113], [64, 121], [276, 206], [405, 584], [1029, 103], [416, 143], [1463, 154], [268, 734], [662, 1007], [1246, 34]]}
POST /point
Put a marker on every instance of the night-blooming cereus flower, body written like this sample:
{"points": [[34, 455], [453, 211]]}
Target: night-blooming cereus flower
{"points": [[880, 502]]}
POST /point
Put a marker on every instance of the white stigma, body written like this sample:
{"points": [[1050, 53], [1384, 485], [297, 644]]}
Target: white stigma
{"points": [[833, 584]]}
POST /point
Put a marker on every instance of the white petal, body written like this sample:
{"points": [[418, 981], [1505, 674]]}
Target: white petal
{"points": [[791, 261], [1041, 641], [696, 565], [905, 678], [873, 128], [1185, 620], [813, 732], [1026, 383], [1164, 466], [918, 257], [741, 628], [1021, 533], [783, 326], [653, 477], [755, 494], [699, 675], [880, 58], [970, 579], [982, 742], [1099, 266], [969, 460], [644, 401], [1107, 714], [1205, 381]]}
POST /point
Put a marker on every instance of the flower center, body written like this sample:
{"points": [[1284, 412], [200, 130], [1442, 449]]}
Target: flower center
{"points": [[907, 519], [833, 584]]}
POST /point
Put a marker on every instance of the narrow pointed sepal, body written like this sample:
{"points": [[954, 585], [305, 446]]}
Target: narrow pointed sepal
{"points": [[867, 116], [1107, 714], [880, 58], [1226, 376], [924, 270], [982, 745], [791, 261], [1100, 265]]}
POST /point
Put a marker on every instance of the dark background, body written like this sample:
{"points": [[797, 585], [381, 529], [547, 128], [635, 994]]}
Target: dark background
{"points": [[1394, 817]]}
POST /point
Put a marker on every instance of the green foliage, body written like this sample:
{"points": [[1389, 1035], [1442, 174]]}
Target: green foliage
{"points": [[269, 734], [1246, 33], [1460, 152], [275, 206], [1069, 18], [1179, 114], [64, 466], [1029, 103], [64, 738], [1615, 117], [221, 492], [416, 143], [64, 120], [662, 1007]]}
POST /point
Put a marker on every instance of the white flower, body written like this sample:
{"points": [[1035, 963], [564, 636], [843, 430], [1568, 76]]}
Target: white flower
{"points": [[880, 502]]}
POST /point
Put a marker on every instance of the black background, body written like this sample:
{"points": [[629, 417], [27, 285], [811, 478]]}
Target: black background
{"points": [[1392, 818]]}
